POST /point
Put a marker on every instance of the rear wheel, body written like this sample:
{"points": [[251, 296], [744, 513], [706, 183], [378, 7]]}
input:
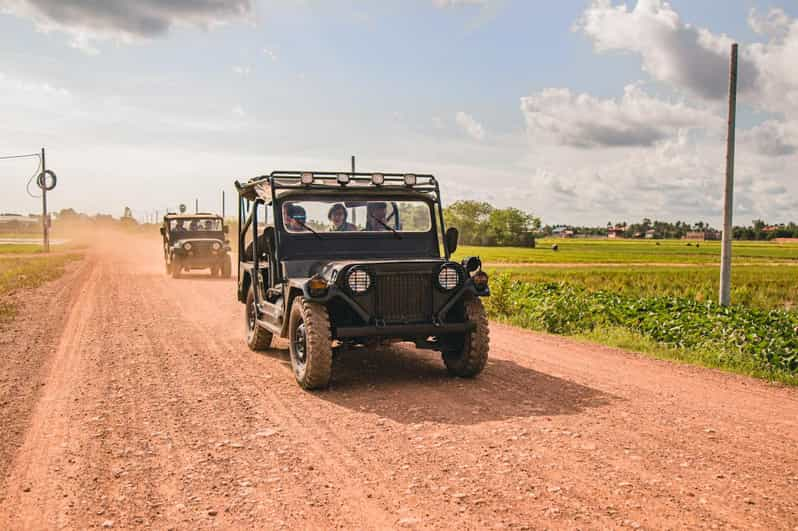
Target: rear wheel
{"points": [[177, 267], [215, 271], [310, 344], [258, 338], [467, 355]]}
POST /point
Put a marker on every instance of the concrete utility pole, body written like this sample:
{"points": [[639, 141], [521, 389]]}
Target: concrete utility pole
{"points": [[196, 206], [354, 212], [45, 224], [222, 204], [728, 194]]}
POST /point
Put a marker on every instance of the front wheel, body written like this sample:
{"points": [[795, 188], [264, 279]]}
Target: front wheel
{"points": [[258, 338], [177, 267], [227, 267], [310, 344], [467, 356]]}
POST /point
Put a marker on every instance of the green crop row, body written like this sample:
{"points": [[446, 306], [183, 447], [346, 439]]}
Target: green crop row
{"points": [[751, 340], [766, 287]]}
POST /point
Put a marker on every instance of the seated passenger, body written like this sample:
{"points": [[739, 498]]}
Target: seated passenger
{"points": [[376, 217], [295, 218], [337, 216]]}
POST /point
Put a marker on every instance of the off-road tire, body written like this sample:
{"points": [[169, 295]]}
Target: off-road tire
{"points": [[468, 358], [177, 267], [227, 267], [258, 338], [316, 371]]}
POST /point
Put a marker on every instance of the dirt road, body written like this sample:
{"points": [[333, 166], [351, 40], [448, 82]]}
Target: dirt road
{"points": [[129, 399]]}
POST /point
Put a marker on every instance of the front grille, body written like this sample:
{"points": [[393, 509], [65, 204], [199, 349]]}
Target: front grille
{"points": [[201, 248], [404, 297]]}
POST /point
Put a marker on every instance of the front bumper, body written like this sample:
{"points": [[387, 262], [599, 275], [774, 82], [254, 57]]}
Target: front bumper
{"points": [[402, 331]]}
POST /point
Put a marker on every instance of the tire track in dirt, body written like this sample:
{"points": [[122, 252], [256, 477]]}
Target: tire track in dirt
{"points": [[50, 434]]}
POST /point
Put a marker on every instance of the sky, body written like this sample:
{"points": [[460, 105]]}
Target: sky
{"points": [[577, 111]]}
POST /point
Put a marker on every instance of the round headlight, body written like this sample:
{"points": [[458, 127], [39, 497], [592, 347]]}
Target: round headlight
{"points": [[358, 280], [187, 246], [216, 246], [448, 277]]}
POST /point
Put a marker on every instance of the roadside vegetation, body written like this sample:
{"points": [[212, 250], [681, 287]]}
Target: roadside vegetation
{"points": [[25, 273], [610, 293], [633, 251]]}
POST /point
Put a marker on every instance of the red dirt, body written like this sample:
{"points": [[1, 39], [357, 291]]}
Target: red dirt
{"points": [[129, 399]]}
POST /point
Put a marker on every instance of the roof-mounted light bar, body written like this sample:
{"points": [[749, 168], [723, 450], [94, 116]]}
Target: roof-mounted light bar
{"points": [[410, 179], [306, 179], [377, 179], [343, 179]]}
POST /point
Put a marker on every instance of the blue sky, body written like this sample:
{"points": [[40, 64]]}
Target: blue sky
{"points": [[149, 118]]}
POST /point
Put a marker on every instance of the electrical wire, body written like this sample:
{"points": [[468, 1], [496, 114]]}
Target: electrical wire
{"points": [[20, 156], [32, 177], [35, 174]]}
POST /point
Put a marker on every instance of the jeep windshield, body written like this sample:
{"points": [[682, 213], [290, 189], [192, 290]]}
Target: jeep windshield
{"points": [[373, 215], [195, 225]]}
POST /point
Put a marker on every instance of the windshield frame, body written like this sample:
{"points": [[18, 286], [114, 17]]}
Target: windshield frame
{"points": [[391, 200]]}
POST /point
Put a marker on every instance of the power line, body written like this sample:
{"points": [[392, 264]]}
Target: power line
{"points": [[31, 155]]}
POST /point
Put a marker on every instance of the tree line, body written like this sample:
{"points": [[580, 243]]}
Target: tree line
{"points": [[481, 223]]}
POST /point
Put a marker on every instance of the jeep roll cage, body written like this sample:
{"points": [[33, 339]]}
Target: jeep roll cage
{"points": [[267, 189]]}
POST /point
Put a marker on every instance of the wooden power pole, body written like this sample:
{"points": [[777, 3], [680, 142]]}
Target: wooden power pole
{"points": [[45, 225], [728, 193]]}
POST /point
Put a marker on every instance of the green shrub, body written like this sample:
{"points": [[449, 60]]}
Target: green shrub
{"points": [[738, 335]]}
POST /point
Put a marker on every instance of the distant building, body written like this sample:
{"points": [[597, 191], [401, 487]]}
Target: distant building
{"points": [[18, 223], [652, 234], [615, 233], [562, 232]]}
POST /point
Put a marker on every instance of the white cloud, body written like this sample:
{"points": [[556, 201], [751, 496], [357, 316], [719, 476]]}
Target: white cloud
{"points": [[443, 4], [671, 50], [238, 110], [271, 54], [124, 20], [772, 138], [583, 121], [473, 128], [242, 70]]}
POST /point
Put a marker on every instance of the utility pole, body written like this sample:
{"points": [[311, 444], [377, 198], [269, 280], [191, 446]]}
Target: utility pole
{"points": [[196, 206], [222, 204], [354, 211], [45, 224], [728, 193]]}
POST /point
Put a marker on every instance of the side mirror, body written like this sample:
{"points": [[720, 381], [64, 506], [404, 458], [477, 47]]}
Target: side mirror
{"points": [[226, 229], [163, 232], [452, 235]]}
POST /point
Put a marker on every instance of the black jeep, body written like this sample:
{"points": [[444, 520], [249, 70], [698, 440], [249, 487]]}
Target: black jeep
{"points": [[196, 241], [347, 259]]}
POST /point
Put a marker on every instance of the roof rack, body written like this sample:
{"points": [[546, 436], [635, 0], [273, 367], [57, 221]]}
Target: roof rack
{"points": [[328, 180]]}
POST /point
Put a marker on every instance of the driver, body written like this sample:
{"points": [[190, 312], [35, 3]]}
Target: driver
{"points": [[179, 226], [376, 212], [295, 217], [337, 216]]}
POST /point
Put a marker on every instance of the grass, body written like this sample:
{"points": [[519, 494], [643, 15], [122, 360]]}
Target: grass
{"points": [[636, 342], [656, 298], [28, 272], [754, 341], [20, 248], [757, 286], [579, 251]]}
